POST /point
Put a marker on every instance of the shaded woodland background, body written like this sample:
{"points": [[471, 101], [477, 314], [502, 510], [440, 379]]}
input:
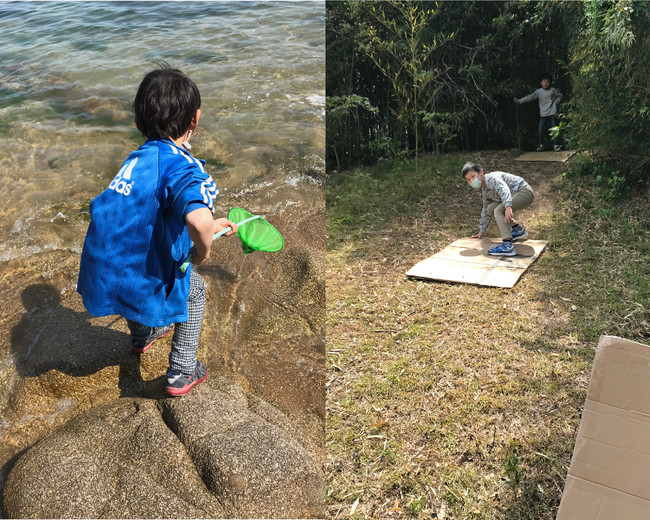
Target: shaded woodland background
{"points": [[412, 78]]}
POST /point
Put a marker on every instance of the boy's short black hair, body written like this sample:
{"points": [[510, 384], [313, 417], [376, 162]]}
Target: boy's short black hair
{"points": [[471, 166], [547, 76], [166, 103]]}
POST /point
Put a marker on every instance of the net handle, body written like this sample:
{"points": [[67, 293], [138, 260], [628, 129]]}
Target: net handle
{"points": [[186, 263]]}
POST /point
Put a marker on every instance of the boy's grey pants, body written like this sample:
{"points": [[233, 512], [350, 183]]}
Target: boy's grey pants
{"points": [[185, 341], [522, 199]]}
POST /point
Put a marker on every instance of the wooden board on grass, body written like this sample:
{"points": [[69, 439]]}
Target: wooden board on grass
{"points": [[561, 156], [467, 261]]}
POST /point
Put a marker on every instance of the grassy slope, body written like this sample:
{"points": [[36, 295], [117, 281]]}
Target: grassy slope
{"points": [[457, 401]]}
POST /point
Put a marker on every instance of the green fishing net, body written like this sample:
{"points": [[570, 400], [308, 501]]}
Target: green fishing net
{"points": [[256, 234]]}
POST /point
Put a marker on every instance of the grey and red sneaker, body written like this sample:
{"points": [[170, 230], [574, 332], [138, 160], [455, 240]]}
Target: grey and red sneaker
{"points": [[179, 383], [140, 345]]}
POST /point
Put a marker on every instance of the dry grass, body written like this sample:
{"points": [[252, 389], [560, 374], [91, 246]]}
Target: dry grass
{"points": [[456, 401]]}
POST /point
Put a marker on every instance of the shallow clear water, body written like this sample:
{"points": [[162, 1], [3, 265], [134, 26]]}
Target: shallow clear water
{"points": [[68, 75]]}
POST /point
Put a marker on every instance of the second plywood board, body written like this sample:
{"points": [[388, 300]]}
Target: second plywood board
{"points": [[467, 261], [562, 156]]}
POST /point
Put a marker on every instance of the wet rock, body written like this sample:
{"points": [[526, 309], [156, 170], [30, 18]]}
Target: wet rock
{"points": [[58, 163], [214, 453], [107, 463], [247, 453]]}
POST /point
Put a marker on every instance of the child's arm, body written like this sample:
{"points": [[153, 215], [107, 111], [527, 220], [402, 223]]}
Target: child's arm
{"points": [[201, 228], [484, 221], [526, 99]]}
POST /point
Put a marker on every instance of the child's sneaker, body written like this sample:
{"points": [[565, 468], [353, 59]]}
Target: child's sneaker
{"points": [[179, 383], [519, 233], [503, 249], [540, 148], [140, 345], [557, 148]]}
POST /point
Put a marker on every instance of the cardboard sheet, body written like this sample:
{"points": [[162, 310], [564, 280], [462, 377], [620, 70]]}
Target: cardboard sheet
{"points": [[467, 261], [562, 156], [609, 476]]}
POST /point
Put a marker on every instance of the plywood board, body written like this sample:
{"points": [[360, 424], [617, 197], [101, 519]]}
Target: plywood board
{"points": [[467, 261], [562, 156]]}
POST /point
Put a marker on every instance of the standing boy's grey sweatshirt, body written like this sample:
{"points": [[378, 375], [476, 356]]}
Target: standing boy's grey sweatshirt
{"points": [[548, 100]]}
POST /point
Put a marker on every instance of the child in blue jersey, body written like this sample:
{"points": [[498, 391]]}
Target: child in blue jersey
{"points": [[548, 98], [144, 224], [503, 193]]}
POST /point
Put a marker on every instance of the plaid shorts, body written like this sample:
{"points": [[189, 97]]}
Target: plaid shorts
{"points": [[185, 341]]}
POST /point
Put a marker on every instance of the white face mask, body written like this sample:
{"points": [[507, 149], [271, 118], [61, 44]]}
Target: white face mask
{"points": [[476, 183]]}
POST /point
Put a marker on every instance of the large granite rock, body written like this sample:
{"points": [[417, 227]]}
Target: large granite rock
{"points": [[214, 453]]}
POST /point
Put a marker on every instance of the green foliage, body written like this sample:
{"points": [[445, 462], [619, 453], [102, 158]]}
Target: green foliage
{"points": [[512, 471], [339, 106], [344, 120], [416, 506], [555, 131], [604, 175], [386, 148], [397, 46], [609, 113], [443, 125]]}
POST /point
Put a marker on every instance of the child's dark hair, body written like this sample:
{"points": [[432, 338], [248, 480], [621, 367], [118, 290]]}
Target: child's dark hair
{"points": [[166, 103], [471, 166], [547, 76]]}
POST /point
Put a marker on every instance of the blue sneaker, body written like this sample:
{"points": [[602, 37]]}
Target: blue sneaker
{"points": [[179, 383], [503, 249], [519, 233], [140, 345]]}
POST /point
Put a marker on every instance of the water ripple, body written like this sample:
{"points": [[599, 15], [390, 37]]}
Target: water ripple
{"points": [[68, 75]]}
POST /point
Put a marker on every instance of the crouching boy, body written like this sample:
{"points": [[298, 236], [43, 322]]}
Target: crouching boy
{"points": [[503, 194]]}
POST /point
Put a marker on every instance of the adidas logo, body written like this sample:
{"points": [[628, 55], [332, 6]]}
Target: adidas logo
{"points": [[120, 183]]}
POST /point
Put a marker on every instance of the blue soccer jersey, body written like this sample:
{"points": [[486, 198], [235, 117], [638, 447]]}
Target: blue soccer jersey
{"points": [[137, 237]]}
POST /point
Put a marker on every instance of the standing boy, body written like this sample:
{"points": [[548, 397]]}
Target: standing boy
{"points": [[143, 225], [549, 98], [503, 193]]}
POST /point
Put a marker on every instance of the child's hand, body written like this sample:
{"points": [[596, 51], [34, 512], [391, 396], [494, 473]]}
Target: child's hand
{"points": [[223, 223], [509, 214], [517, 100], [480, 234]]}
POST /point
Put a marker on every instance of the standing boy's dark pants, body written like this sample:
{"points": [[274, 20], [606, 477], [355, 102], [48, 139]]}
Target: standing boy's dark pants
{"points": [[545, 123]]}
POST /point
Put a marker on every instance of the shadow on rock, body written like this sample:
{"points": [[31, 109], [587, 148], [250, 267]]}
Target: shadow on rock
{"points": [[53, 337]]}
